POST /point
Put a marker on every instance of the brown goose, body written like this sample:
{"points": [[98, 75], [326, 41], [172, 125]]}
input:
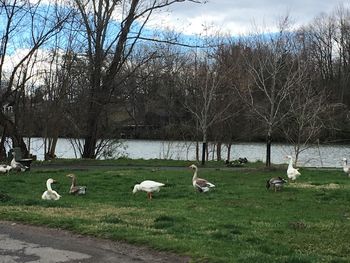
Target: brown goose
{"points": [[200, 184], [275, 183], [74, 188]]}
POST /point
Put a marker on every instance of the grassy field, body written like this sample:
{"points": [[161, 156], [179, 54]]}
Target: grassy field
{"points": [[240, 221]]}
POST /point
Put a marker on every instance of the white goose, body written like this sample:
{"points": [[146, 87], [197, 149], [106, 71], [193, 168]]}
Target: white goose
{"points": [[4, 168], [148, 186], [16, 165], [292, 173], [74, 188], [50, 194], [200, 184], [346, 167]]}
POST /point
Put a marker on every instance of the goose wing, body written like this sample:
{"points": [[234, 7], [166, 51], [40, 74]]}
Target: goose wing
{"points": [[202, 183], [150, 186], [80, 190]]}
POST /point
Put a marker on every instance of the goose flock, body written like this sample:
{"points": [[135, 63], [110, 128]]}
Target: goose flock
{"points": [[201, 185]]}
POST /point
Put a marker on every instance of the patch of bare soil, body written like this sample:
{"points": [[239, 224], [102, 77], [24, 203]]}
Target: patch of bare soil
{"points": [[309, 185], [33, 238]]}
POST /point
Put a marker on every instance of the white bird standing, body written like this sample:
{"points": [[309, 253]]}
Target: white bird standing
{"points": [[200, 184], [148, 186], [4, 168], [346, 167], [16, 165], [74, 188], [50, 194], [292, 173]]}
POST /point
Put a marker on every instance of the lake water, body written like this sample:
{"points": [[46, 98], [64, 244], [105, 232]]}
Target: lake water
{"points": [[322, 156]]}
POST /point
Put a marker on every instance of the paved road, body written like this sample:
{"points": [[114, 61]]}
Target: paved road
{"points": [[29, 244]]}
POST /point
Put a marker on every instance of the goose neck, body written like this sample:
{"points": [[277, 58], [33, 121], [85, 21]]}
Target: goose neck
{"points": [[195, 174], [48, 186], [290, 165], [74, 181]]}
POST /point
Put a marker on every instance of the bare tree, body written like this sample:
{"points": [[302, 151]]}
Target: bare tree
{"points": [[307, 117], [272, 74], [27, 26], [205, 97], [108, 52]]}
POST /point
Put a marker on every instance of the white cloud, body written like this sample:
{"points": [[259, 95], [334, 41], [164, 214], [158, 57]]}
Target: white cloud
{"points": [[238, 16], [36, 70]]}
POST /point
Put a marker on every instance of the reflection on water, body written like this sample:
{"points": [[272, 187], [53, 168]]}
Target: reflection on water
{"points": [[323, 156]]}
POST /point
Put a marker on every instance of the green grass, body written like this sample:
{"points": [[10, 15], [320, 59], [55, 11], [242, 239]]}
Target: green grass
{"points": [[240, 221]]}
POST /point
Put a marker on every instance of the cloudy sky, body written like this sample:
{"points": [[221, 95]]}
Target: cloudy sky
{"points": [[238, 16]]}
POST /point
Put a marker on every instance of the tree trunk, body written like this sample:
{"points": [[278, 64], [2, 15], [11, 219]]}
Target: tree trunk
{"points": [[12, 131], [91, 136], [3, 153], [218, 151], [229, 152], [197, 151], [268, 150], [204, 147]]}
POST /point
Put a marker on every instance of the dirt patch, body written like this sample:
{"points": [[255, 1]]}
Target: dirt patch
{"points": [[40, 239], [310, 185]]}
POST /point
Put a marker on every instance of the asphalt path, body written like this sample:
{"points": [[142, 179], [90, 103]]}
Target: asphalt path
{"points": [[31, 244]]}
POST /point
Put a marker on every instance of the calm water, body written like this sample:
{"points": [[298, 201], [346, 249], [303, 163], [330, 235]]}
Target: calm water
{"points": [[323, 156]]}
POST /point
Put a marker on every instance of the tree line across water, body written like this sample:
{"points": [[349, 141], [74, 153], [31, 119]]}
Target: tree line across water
{"points": [[89, 69]]}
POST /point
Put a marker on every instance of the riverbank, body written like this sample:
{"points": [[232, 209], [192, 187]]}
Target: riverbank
{"points": [[314, 156]]}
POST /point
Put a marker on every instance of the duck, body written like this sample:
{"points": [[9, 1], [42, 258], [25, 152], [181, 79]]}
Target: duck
{"points": [[200, 184], [4, 168], [292, 172], [149, 187], [17, 166], [276, 183], [75, 189], [346, 167], [50, 194]]}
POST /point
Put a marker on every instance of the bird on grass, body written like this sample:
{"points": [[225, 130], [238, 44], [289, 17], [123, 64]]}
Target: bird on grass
{"points": [[148, 186], [50, 194], [346, 167], [4, 168], [292, 172], [74, 188], [275, 183], [17, 166], [200, 184]]}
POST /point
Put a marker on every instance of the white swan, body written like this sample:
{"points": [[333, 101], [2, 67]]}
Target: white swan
{"points": [[346, 167], [16, 165], [50, 194], [200, 184], [148, 186], [292, 173], [74, 188], [4, 168]]}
